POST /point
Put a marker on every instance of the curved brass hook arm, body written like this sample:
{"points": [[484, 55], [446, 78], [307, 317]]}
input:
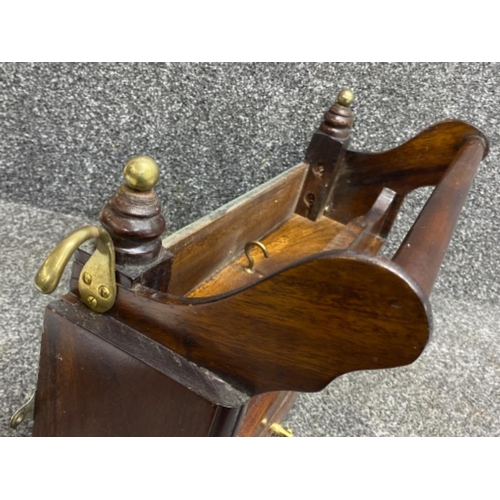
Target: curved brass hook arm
{"points": [[96, 284]]}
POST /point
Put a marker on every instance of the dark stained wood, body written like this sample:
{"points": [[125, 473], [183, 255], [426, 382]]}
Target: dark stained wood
{"points": [[199, 380], [424, 247], [207, 246], [188, 362], [419, 162], [263, 411], [296, 239], [226, 421], [155, 274], [158, 274], [325, 157], [364, 233], [337, 122], [295, 330], [135, 223], [88, 387]]}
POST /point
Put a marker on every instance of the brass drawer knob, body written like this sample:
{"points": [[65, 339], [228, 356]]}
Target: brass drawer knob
{"points": [[279, 431]]}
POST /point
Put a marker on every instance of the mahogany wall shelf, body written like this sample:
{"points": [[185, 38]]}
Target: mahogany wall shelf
{"points": [[213, 330]]}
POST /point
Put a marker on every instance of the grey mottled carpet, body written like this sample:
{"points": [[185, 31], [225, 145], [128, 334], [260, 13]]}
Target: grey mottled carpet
{"points": [[217, 131]]}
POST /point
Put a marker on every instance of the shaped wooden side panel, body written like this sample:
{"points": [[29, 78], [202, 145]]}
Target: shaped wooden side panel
{"points": [[296, 330]]}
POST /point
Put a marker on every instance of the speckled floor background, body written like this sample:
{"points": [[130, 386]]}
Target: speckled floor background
{"points": [[217, 130]]}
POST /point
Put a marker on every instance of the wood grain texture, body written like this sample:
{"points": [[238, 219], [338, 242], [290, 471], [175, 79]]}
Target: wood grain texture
{"points": [[155, 274], [424, 247], [322, 305], [419, 162], [264, 410], [135, 223], [89, 387], [337, 122], [295, 330], [363, 234], [133, 342], [325, 157], [205, 247], [294, 240]]}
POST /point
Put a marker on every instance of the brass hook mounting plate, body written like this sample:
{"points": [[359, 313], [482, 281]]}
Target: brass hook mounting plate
{"points": [[96, 284]]}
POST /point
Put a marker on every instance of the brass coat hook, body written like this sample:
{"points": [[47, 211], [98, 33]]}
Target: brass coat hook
{"points": [[96, 284], [250, 268]]}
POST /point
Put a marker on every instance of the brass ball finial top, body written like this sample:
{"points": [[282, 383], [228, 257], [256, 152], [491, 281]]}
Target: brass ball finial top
{"points": [[345, 97], [141, 173]]}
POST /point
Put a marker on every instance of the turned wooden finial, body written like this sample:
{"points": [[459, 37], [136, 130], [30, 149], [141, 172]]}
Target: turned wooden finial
{"points": [[133, 214], [338, 120]]}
